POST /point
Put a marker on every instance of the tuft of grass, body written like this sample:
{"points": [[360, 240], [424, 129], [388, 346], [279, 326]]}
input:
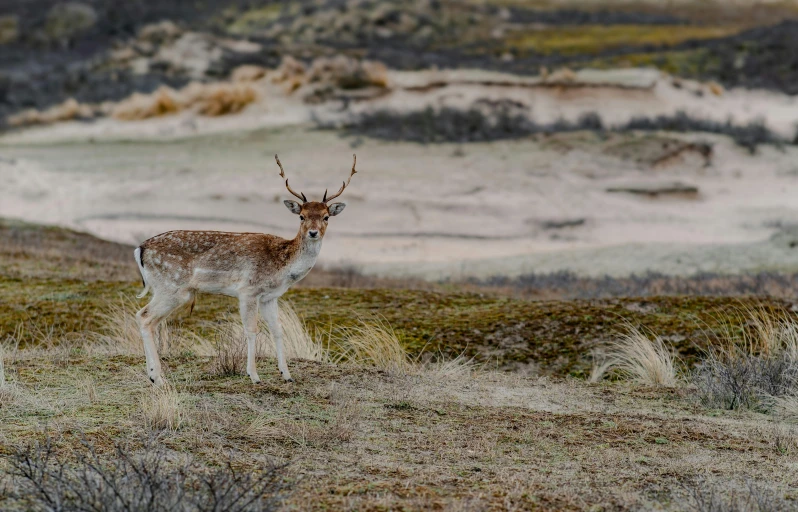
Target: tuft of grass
{"points": [[601, 365], [371, 342], [297, 341], [162, 408], [120, 334], [642, 360], [442, 369]]}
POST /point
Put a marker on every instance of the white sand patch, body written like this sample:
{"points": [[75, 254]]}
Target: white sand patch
{"points": [[435, 211]]}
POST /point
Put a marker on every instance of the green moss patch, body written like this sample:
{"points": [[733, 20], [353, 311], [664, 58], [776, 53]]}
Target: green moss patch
{"points": [[557, 336]]}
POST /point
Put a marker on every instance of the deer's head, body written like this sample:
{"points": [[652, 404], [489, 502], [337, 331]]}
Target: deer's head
{"points": [[314, 215]]}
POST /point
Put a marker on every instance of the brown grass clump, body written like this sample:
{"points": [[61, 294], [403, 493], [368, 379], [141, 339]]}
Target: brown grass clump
{"points": [[69, 109], [247, 73], [163, 101], [214, 99], [223, 98]]}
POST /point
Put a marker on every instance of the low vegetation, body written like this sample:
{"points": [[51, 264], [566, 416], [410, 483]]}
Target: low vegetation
{"points": [[488, 122], [150, 477], [403, 399]]}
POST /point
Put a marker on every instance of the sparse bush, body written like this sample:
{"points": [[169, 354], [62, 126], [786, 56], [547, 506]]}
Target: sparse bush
{"points": [[749, 368], [749, 135], [750, 497], [150, 480], [231, 351], [642, 360]]}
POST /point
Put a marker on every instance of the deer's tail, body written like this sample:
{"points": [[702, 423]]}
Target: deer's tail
{"points": [[138, 253]]}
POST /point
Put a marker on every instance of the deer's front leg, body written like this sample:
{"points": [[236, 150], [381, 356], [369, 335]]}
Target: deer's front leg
{"points": [[268, 308], [248, 307]]}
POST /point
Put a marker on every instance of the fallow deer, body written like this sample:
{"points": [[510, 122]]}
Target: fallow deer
{"points": [[256, 268]]}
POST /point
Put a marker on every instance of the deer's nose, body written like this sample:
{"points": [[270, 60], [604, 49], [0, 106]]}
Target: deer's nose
{"points": [[313, 233]]}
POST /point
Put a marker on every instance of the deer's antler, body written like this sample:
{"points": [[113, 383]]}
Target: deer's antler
{"points": [[282, 174], [346, 183]]}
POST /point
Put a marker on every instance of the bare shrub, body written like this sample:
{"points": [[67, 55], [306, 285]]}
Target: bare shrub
{"points": [[231, 351], [642, 360], [751, 368], [705, 496], [149, 480], [162, 408]]}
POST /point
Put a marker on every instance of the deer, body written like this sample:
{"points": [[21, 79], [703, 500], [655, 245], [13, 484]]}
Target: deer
{"points": [[256, 268]]}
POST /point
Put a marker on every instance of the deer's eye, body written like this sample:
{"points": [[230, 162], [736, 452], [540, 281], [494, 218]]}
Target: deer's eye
{"points": [[326, 218], [301, 217]]}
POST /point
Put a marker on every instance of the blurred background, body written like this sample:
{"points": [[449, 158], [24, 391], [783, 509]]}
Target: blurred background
{"points": [[542, 149]]}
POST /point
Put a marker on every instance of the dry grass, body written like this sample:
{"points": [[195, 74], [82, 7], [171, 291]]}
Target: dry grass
{"points": [[214, 99], [602, 363], [163, 101], [642, 360], [247, 73], [754, 366], [338, 71], [66, 111], [383, 440], [121, 335], [372, 342], [162, 408]]}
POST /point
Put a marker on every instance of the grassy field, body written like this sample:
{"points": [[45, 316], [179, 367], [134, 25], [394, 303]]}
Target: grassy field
{"points": [[366, 434]]}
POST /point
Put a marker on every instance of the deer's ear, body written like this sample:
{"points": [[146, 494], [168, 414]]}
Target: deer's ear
{"points": [[336, 208], [293, 206]]}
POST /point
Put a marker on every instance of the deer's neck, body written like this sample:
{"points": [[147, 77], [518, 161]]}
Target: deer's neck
{"points": [[306, 250]]}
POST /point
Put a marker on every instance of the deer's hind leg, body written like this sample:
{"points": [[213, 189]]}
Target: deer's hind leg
{"points": [[163, 303]]}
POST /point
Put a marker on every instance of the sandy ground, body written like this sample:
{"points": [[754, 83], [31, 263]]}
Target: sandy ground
{"points": [[438, 211]]}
